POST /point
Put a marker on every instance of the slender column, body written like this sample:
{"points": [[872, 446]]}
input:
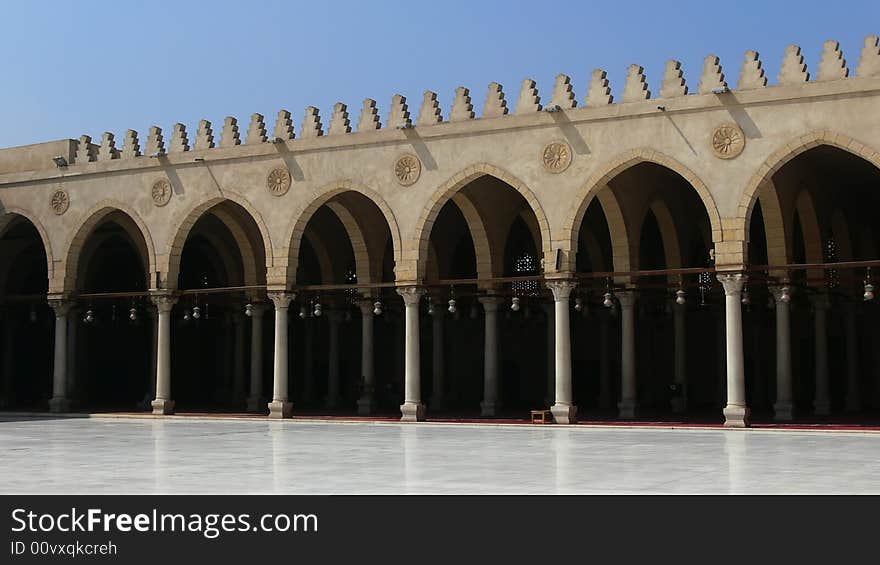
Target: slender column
{"points": [[679, 401], [853, 398], [280, 407], [783, 408], [59, 401], [308, 364], [564, 411], [437, 359], [163, 404], [367, 402], [239, 376], [412, 409], [6, 379], [736, 413], [71, 357], [489, 406], [605, 389], [822, 400], [255, 401], [334, 318], [153, 313], [628, 406], [551, 353]]}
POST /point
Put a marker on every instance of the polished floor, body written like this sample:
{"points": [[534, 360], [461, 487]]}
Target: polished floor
{"points": [[190, 455]]}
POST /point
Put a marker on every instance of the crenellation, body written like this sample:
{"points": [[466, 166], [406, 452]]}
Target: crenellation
{"points": [[430, 112], [179, 140], [462, 109], [496, 105], [713, 77], [132, 147], [204, 136], [869, 61], [794, 69], [312, 123], [599, 93], [674, 84], [528, 101], [563, 93], [752, 74], [107, 151], [369, 116], [398, 117], [284, 126], [257, 129], [636, 88], [230, 136], [86, 151], [155, 142], [339, 122], [832, 65]]}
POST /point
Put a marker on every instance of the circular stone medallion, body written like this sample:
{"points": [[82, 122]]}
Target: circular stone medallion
{"points": [[60, 201], [407, 169], [278, 181], [556, 157], [161, 192], [728, 141]]}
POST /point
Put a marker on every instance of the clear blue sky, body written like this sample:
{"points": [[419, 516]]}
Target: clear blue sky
{"points": [[86, 67]]}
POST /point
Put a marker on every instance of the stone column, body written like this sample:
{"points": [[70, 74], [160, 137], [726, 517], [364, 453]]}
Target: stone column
{"points": [[239, 376], [72, 324], [59, 401], [628, 406], [412, 409], [163, 404], [605, 388], [334, 318], [564, 411], [853, 401], [489, 405], [551, 353], [783, 408], [308, 363], [153, 313], [679, 401], [367, 402], [256, 401], [822, 399], [437, 359], [280, 407], [8, 368], [736, 412]]}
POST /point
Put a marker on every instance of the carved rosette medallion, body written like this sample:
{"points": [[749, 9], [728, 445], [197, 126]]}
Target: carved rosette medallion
{"points": [[60, 201], [407, 169], [556, 157], [728, 141], [161, 192], [278, 181]]}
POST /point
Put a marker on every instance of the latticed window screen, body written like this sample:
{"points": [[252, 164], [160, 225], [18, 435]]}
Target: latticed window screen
{"points": [[832, 276], [525, 264]]}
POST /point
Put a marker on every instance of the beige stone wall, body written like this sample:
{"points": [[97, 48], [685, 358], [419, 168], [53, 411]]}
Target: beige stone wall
{"points": [[778, 123]]}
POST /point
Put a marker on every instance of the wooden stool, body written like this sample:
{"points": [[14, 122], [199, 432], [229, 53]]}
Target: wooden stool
{"points": [[542, 417]]}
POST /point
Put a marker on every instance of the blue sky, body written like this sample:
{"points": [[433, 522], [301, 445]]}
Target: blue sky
{"points": [[89, 67]]}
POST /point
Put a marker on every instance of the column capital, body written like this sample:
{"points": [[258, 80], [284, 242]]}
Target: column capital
{"points": [[627, 298], [732, 283], [820, 301], [781, 293], [491, 303], [561, 288], [258, 308], [281, 298], [164, 301], [366, 306], [411, 294], [334, 316], [61, 306]]}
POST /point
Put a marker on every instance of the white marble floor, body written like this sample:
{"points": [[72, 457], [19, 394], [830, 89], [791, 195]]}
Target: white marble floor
{"points": [[118, 455]]}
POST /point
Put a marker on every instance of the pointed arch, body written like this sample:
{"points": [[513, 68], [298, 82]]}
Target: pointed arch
{"points": [[415, 257], [8, 214]]}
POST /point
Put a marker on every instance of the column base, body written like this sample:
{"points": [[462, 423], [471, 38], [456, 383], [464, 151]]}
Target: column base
{"points": [[280, 409], [412, 412], [58, 405], [822, 407], [162, 407], [255, 404], [366, 406], [736, 416], [783, 412], [564, 413], [627, 409], [488, 409], [438, 404]]}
